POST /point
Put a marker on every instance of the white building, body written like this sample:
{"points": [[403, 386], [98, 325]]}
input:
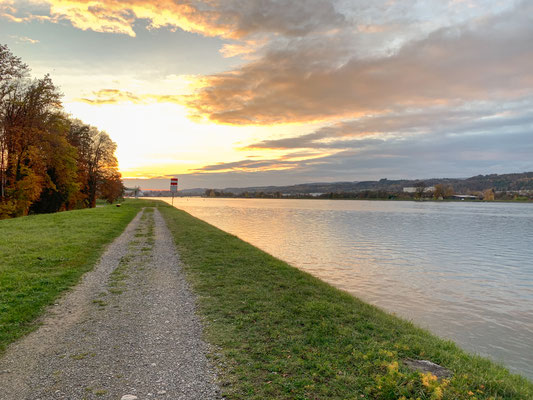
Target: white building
{"points": [[412, 189]]}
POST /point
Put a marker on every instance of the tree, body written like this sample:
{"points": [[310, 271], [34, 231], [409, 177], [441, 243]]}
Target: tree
{"points": [[30, 114], [111, 187], [443, 191], [80, 135], [102, 162], [11, 70], [97, 163], [419, 189], [438, 194], [61, 185], [488, 195], [448, 191], [48, 161]]}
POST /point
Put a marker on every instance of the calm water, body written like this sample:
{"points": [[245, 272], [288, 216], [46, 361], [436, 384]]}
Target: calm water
{"points": [[463, 270]]}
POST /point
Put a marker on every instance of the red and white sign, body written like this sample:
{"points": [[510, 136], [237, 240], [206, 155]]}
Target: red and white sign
{"points": [[173, 184]]}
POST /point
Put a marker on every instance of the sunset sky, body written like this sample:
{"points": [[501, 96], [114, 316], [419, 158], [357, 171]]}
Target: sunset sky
{"points": [[225, 93]]}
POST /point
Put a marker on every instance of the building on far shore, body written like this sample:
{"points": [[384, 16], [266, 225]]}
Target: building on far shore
{"points": [[412, 189]]}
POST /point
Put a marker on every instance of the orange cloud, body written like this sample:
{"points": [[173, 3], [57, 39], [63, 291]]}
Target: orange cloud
{"points": [[246, 50], [117, 16], [225, 18], [112, 96], [115, 96], [248, 166]]}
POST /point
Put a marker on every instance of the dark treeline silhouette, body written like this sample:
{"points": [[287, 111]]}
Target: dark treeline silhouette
{"points": [[434, 194], [482, 187], [510, 183], [48, 161]]}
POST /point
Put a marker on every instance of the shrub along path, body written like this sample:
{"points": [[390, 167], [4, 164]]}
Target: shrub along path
{"points": [[128, 329]]}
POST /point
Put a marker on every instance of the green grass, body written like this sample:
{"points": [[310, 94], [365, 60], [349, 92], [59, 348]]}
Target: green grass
{"points": [[43, 255], [280, 333]]}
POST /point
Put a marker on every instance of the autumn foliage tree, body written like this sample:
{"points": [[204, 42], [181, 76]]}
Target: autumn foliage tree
{"points": [[488, 195], [97, 164], [443, 191], [102, 165], [111, 187], [48, 162], [11, 69]]}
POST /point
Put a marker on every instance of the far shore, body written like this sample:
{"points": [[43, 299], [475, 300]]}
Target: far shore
{"points": [[304, 197]]}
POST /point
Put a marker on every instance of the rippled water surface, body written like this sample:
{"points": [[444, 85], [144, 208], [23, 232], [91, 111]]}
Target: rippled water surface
{"points": [[463, 270]]}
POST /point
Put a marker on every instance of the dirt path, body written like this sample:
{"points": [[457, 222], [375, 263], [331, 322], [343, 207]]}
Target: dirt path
{"points": [[127, 331]]}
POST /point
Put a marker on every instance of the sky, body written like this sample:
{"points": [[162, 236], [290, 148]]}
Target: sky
{"points": [[235, 93]]}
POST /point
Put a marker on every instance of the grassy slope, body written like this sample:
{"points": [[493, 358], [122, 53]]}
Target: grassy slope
{"points": [[42, 255], [282, 334]]}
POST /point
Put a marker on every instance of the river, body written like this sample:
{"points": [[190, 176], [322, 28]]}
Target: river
{"points": [[462, 270]]}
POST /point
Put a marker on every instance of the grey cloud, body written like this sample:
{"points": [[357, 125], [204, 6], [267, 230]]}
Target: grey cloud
{"points": [[284, 17], [436, 155], [365, 131], [246, 165]]}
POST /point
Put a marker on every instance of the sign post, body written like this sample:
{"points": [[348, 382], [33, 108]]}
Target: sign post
{"points": [[173, 187]]}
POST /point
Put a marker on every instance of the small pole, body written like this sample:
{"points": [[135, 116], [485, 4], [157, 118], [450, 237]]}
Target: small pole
{"points": [[172, 199]]}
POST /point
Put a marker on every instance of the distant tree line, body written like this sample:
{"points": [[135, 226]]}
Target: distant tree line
{"points": [[422, 192], [48, 161], [504, 185]]}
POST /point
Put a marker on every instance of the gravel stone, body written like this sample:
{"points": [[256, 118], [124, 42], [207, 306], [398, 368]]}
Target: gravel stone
{"points": [[118, 335]]}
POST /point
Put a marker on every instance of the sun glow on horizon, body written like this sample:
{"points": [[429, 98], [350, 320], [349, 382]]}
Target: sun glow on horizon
{"points": [[159, 139]]}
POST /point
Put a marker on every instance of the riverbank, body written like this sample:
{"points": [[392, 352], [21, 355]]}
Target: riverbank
{"points": [[520, 200], [283, 334], [278, 333]]}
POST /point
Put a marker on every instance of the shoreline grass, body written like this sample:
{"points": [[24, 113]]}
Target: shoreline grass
{"points": [[41, 256], [280, 333]]}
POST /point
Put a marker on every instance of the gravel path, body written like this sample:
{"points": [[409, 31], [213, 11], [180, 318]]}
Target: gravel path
{"points": [[128, 331]]}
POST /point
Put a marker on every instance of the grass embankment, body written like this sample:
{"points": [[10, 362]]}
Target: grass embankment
{"points": [[42, 255], [283, 334]]}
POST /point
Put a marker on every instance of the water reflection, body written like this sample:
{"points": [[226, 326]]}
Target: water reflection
{"points": [[463, 270]]}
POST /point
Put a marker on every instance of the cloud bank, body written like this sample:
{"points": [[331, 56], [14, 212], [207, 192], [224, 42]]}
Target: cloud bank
{"points": [[395, 88], [488, 59]]}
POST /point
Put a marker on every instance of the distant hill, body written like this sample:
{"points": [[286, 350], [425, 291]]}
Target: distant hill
{"points": [[499, 183], [504, 182]]}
